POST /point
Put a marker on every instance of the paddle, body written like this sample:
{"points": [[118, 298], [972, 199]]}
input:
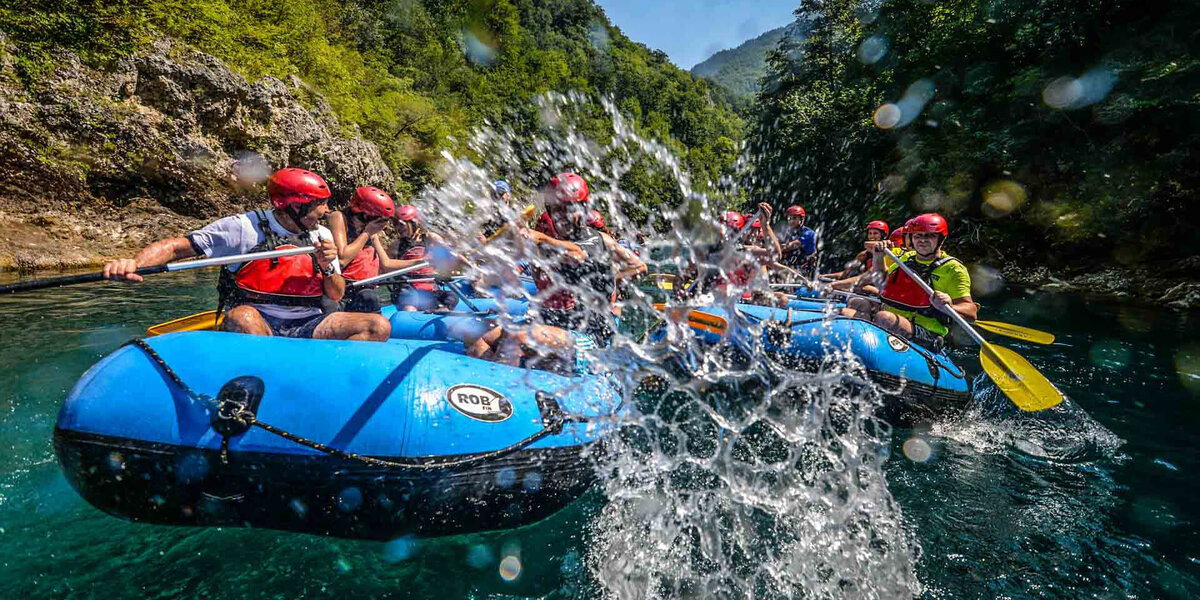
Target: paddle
{"points": [[183, 265], [1019, 380], [389, 275], [1018, 332]]}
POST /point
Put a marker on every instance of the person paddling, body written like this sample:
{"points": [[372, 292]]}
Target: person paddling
{"points": [[749, 260], [280, 296], [799, 245], [355, 233], [586, 262], [907, 310], [864, 263]]}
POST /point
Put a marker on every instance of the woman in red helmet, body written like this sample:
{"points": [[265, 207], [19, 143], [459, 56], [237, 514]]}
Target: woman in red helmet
{"points": [[282, 296], [354, 234], [906, 309], [863, 263], [415, 245]]}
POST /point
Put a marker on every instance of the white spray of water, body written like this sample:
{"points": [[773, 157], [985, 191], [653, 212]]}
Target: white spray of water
{"points": [[733, 475]]}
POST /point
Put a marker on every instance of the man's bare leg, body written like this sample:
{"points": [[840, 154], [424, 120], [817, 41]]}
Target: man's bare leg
{"points": [[245, 319], [363, 327]]}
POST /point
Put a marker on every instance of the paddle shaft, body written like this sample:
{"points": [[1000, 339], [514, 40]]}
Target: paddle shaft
{"points": [[957, 318], [38, 284], [390, 275]]}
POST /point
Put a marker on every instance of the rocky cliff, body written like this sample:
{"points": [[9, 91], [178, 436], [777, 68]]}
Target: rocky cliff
{"points": [[95, 163]]}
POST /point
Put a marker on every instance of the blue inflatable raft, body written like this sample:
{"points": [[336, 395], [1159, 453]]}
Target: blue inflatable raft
{"points": [[349, 439], [919, 386]]}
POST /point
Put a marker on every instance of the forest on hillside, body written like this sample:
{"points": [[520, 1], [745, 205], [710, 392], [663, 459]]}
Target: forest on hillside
{"points": [[415, 77], [1047, 130], [1059, 132]]}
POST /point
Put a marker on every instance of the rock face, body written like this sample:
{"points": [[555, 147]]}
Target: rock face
{"points": [[95, 163]]}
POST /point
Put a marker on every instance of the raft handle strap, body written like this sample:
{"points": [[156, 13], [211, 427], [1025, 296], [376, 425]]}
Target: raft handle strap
{"points": [[553, 419]]}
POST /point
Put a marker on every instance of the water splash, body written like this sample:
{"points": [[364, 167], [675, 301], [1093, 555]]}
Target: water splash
{"points": [[733, 474]]}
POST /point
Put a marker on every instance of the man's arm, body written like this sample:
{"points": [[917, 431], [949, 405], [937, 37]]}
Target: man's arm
{"points": [[333, 284], [633, 266], [157, 253]]}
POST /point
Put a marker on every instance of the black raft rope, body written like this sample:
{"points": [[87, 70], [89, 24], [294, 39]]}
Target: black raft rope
{"points": [[234, 416]]}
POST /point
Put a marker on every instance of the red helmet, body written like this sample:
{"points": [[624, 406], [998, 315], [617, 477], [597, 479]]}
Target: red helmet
{"points": [[929, 223], [796, 211], [897, 237], [295, 186], [408, 213], [595, 219], [757, 224], [569, 188], [733, 220], [880, 225], [372, 201]]}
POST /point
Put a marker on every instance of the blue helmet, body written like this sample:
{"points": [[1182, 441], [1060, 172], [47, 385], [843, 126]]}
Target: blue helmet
{"points": [[501, 187]]}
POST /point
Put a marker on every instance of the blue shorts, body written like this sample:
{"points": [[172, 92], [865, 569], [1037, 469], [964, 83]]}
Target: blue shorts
{"points": [[294, 328]]}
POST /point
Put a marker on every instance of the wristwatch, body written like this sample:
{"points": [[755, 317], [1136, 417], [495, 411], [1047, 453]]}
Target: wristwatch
{"points": [[328, 269]]}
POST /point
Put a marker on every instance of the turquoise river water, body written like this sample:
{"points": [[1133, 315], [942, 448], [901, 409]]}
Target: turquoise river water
{"points": [[1001, 506]]}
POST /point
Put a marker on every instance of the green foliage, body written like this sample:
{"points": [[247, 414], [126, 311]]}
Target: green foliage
{"points": [[414, 76], [1119, 170]]}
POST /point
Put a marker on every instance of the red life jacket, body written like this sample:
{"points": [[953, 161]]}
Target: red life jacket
{"points": [[286, 281], [868, 262], [417, 252], [365, 264], [902, 292]]}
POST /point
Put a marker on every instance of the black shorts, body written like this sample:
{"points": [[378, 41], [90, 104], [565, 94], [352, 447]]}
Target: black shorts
{"points": [[294, 328]]}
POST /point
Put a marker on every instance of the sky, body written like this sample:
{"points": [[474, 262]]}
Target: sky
{"points": [[690, 31]]}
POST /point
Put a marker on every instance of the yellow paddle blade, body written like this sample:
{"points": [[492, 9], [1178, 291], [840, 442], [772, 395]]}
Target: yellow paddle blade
{"points": [[1019, 380], [205, 321], [1016, 332]]}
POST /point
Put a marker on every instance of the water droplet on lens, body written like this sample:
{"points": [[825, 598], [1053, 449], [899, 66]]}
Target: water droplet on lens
{"points": [[887, 116], [506, 477], [872, 49], [533, 482], [400, 549], [480, 556], [510, 568], [1001, 197], [350, 499], [1187, 366], [917, 449], [985, 280]]}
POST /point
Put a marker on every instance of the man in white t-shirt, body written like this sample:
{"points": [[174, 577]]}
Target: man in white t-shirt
{"points": [[281, 296]]}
